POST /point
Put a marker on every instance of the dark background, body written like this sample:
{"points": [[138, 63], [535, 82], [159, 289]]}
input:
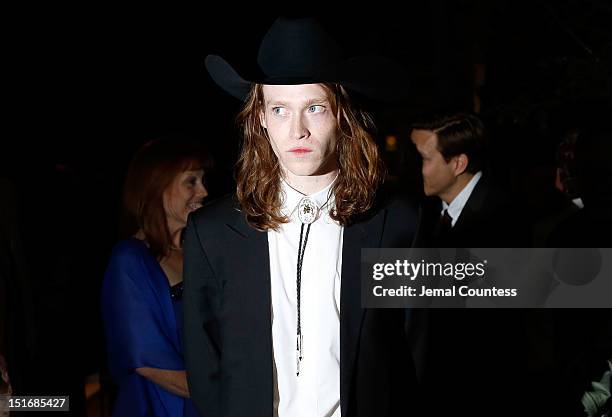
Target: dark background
{"points": [[94, 85], [90, 86]]}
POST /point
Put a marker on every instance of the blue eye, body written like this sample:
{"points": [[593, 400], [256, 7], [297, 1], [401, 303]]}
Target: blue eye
{"points": [[316, 109], [279, 111]]}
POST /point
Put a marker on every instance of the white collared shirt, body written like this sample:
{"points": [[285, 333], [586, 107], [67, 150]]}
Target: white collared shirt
{"points": [[456, 206], [316, 391]]}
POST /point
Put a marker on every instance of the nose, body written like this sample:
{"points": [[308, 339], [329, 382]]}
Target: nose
{"points": [[201, 192], [299, 130]]}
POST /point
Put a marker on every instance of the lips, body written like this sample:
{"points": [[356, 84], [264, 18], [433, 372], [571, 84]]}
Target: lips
{"points": [[194, 206], [300, 151]]}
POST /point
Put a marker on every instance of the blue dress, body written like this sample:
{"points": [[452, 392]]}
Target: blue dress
{"points": [[143, 323]]}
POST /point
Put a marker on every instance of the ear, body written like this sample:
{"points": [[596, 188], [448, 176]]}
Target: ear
{"points": [[262, 120], [461, 162], [558, 183]]}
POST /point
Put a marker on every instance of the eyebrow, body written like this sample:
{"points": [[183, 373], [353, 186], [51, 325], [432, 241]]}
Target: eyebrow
{"points": [[310, 102], [192, 172], [276, 103], [316, 101]]}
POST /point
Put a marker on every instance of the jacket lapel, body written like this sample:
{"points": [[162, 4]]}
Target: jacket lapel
{"points": [[367, 234], [472, 208]]}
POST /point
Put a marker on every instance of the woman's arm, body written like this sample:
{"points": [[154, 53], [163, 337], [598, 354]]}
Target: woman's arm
{"points": [[134, 319], [173, 381]]}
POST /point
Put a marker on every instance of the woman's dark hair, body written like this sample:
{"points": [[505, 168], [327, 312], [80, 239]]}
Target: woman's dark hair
{"points": [[151, 172]]}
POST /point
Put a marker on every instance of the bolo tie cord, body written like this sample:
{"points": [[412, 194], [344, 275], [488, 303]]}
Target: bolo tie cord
{"points": [[301, 250], [310, 207]]}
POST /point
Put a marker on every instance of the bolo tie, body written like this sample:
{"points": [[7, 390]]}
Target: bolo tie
{"points": [[308, 212]]}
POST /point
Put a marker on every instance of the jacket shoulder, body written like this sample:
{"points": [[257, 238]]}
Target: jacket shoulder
{"points": [[397, 202], [401, 217], [217, 213]]}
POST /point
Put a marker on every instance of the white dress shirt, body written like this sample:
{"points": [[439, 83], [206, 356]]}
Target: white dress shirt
{"points": [[316, 391], [456, 206]]}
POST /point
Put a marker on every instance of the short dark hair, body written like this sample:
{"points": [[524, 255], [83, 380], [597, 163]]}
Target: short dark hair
{"points": [[459, 134]]}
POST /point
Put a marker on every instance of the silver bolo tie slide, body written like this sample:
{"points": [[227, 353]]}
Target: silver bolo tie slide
{"points": [[307, 210]]}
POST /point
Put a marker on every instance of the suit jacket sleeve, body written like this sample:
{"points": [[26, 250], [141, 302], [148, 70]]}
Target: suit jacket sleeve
{"points": [[200, 306], [404, 222]]}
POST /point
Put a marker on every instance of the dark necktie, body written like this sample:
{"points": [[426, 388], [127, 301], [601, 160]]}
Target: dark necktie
{"points": [[444, 225]]}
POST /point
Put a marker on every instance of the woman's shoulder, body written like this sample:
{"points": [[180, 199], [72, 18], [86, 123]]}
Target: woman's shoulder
{"points": [[130, 251], [130, 245]]}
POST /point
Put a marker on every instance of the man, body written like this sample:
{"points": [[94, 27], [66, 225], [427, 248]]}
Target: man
{"points": [[272, 302], [468, 211], [482, 353]]}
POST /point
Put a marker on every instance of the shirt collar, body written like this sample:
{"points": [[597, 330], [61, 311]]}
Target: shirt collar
{"points": [[291, 198], [456, 206]]}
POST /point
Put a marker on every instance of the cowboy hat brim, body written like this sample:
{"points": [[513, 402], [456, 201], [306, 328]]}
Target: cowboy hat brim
{"points": [[373, 76]]}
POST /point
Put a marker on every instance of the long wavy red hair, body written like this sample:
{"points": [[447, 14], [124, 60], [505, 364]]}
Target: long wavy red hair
{"points": [[258, 172]]}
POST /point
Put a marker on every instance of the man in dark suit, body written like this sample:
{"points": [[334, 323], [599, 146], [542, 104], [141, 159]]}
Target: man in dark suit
{"points": [[465, 208], [273, 321], [480, 353]]}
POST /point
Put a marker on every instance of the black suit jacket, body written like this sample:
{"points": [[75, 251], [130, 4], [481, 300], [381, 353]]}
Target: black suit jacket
{"points": [[490, 219], [228, 328], [479, 356]]}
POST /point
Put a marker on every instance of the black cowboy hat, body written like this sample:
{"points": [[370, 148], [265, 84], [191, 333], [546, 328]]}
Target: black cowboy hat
{"points": [[299, 51]]}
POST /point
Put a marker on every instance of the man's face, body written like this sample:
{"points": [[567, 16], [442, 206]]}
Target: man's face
{"points": [[302, 128], [438, 175]]}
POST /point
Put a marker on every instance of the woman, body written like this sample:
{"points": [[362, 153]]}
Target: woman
{"points": [[141, 294]]}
